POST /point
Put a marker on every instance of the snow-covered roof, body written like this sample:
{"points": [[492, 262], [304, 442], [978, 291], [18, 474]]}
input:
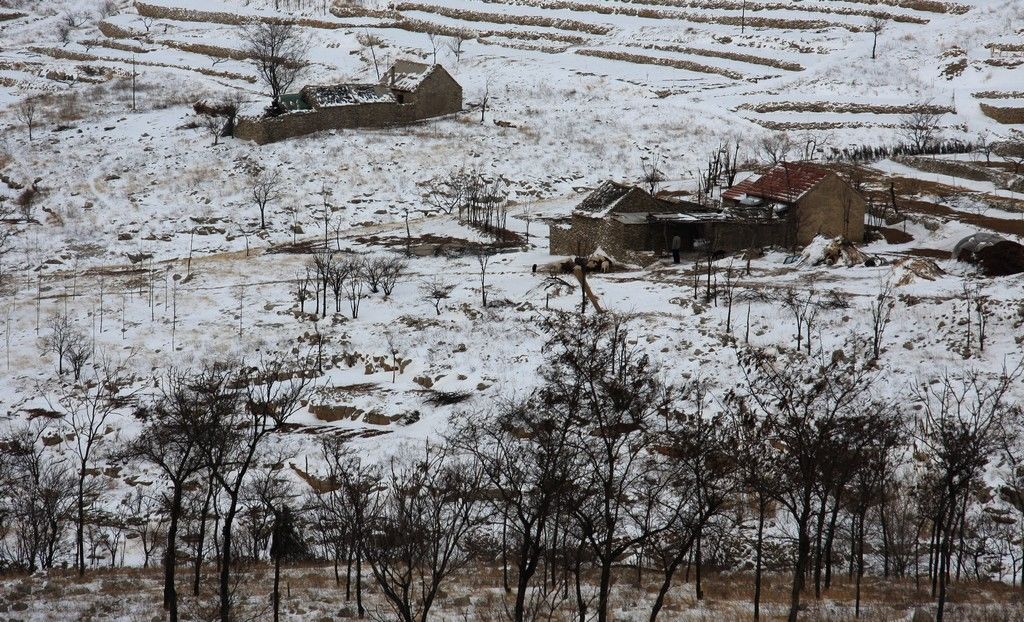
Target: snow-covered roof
{"points": [[602, 199], [327, 96], [787, 182], [406, 75]]}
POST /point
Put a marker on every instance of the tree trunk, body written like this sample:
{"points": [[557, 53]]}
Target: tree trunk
{"points": [[757, 558], [604, 589], [277, 586], [171, 556], [698, 588], [860, 559], [829, 541], [80, 527], [359, 579], [802, 556], [201, 540], [225, 561]]}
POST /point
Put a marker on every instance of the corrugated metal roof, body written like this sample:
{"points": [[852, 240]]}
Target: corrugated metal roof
{"points": [[787, 183]]}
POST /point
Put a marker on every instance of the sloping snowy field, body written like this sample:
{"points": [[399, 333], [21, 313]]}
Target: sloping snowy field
{"points": [[144, 232]]}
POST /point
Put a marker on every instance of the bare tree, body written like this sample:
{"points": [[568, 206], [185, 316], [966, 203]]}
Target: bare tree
{"points": [[614, 394], [266, 187], [28, 112], [875, 27], [370, 43], [167, 443], [393, 271], [881, 310], [485, 97], [437, 290], [79, 352], [483, 259], [435, 43], [418, 532], [652, 176], [959, 429], [355, 296], [446, 192], [87, 407], [287, 544], [278, 51], [338, 273], [350, 503], [455, 45], [524, 450], [920, 128], [62, 337], [41, 492], [232, 439], [699, 470], [373, 271], [775, 147], [819, 424]]}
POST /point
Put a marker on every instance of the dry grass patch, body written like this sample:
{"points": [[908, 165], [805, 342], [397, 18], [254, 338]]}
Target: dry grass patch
{"points": [[504, 18], [1008, 115], [83, 56], [736, 56], [641, 59], [846, 107]]}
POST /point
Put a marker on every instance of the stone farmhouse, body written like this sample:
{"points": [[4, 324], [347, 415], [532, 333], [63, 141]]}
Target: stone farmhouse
{"points": [[408, 92], [786, 206], [813, 199]]}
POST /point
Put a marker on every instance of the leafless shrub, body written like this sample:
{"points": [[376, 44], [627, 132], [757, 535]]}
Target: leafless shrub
{"points": [[437, 290], [266, 187], [921, 127], [28, 111], [393, 271], [775, 147], [355, 296]]}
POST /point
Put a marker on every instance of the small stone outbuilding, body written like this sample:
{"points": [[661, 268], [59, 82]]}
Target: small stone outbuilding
{"points": [[811, 198], [407, 92]]}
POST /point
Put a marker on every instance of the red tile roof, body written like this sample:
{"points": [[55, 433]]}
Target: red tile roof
{"points": [[784, 183]]}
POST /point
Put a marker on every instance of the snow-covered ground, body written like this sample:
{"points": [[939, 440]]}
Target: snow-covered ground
{"points": [[144, 232]]}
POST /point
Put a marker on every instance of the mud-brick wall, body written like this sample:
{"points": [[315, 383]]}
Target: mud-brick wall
{"points": [[272, 129], [823, 211], [437, 95], [379, 114]]}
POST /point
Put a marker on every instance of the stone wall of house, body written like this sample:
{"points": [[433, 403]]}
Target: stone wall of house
{"points": [[639, 242], [581, 237], [438, 95], [832, 208], [728, 237]]}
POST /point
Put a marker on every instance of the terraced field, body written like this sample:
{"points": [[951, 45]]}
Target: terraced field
{"points": [[728, 54]]}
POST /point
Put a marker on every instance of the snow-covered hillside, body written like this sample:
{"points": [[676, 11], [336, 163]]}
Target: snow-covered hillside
{"points": [[125, 216]]}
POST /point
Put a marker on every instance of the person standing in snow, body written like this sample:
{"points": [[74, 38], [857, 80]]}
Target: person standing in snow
{"points": [[677, 243]]}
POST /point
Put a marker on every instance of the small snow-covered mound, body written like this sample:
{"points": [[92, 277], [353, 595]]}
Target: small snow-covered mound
{"points": [[827, 251], [907, 270]]}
